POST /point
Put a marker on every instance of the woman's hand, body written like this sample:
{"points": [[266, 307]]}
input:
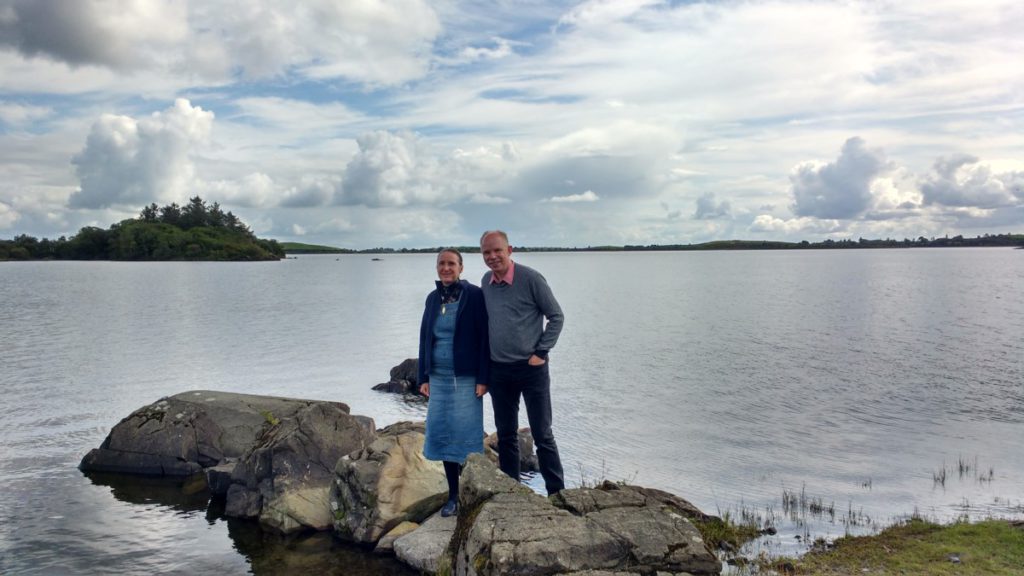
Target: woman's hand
{"points": [[536, 361], [425, 389], [481, 389]]}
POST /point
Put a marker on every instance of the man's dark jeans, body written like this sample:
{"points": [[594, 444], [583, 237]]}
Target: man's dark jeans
{"points": [[508, 382]]}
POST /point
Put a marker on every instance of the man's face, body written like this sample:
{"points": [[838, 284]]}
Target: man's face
{"points": [[497, 253]]}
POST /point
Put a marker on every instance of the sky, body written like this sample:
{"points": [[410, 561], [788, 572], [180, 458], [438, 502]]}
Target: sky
{"points": [[414, 123]]}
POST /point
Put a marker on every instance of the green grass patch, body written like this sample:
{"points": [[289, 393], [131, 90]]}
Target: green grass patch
{"points": [[724, 533], [270, 418], [919, 547]]}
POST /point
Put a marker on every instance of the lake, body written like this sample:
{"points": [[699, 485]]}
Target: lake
{"points": [[822, 392]]}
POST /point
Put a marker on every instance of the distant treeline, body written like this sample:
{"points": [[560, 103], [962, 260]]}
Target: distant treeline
{"points": [[194, 231], [300, 248], [920, 242]]}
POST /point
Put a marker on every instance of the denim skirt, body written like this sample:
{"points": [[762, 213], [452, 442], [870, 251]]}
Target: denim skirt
{"points": [[455, 419]]}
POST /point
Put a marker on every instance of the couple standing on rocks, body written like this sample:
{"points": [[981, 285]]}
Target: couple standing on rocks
{"points": [[475, 340]]}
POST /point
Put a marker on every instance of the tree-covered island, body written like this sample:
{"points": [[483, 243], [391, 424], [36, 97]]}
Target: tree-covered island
{"points": [[194, 231]]}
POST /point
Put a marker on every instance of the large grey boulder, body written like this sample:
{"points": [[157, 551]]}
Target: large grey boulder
{"points": [[655, 524], [525, 534], [481, 480], [285, 479], [386, 483], [504, 528], [613, 495], [430, 548], [182, 434]]}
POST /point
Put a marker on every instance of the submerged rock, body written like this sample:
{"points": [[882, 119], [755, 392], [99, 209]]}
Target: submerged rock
{"points": [[404, 379], [527, 458]]}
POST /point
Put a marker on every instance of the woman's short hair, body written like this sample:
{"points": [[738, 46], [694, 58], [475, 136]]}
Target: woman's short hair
{"points": [[453, 251]]}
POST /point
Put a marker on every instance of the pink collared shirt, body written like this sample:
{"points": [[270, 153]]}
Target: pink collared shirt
{"points": [[507, 278]]}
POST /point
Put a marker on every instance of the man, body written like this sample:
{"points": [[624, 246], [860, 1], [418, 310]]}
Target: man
{"points": [[518, 300]]}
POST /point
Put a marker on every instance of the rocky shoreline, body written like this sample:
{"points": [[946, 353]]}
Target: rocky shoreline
{"points": [[301, 465]]}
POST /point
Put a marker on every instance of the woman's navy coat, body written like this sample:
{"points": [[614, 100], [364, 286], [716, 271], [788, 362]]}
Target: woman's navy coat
{"points": [[472, 346]]}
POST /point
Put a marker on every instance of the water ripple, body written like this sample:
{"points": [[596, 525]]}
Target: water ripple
{"points": [[722, 377]]}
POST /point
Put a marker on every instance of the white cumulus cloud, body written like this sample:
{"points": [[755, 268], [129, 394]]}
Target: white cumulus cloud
{"points": [[709, 209], [502, 49], [391, 169], [374, 42], [366, 41], [312, 192], [804, 225], [118, 34], [962, 180], [588, 196], [8, 216], [255, 190], [839, 189], [18, 114], [401, 168], [129, 161]]}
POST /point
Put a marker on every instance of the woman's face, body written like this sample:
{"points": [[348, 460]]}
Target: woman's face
{"points": [[448, 268]]}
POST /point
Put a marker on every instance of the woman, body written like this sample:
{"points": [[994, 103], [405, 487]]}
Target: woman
{"points": [[454, 365]]}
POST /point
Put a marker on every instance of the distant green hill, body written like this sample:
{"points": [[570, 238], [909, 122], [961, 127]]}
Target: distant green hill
{"points": [[191, 232], [300, 248]]}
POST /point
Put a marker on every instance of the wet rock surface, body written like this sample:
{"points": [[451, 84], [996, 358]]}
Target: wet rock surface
{"points": [[527, 458], [285, 479], [424, 547], [387, 483], [182, 434], [403, 379], [504, 528], [300, 465]]}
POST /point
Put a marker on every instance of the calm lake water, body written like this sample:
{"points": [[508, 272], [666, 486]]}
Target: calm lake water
{"points": [[824, 392]]}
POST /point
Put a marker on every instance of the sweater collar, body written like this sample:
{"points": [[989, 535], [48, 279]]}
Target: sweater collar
{"points": [[507, 278]]}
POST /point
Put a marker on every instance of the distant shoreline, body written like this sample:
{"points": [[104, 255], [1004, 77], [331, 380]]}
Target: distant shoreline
{"points": [[1004, 240], [295, 248]]}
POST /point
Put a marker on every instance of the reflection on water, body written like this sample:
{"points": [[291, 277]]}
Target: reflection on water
{"points": [[265, 553], [316, 553], [188, 495], [729, 378]]}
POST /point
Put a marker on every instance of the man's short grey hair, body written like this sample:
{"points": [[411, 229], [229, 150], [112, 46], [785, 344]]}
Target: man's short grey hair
{"points": [[489, 232]]}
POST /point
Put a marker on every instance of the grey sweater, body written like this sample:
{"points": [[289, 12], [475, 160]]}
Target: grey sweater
{"points": [[516, 313]]}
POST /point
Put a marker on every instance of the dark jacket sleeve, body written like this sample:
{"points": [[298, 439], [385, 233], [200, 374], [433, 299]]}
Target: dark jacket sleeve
{"points": [[425, 327]]}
